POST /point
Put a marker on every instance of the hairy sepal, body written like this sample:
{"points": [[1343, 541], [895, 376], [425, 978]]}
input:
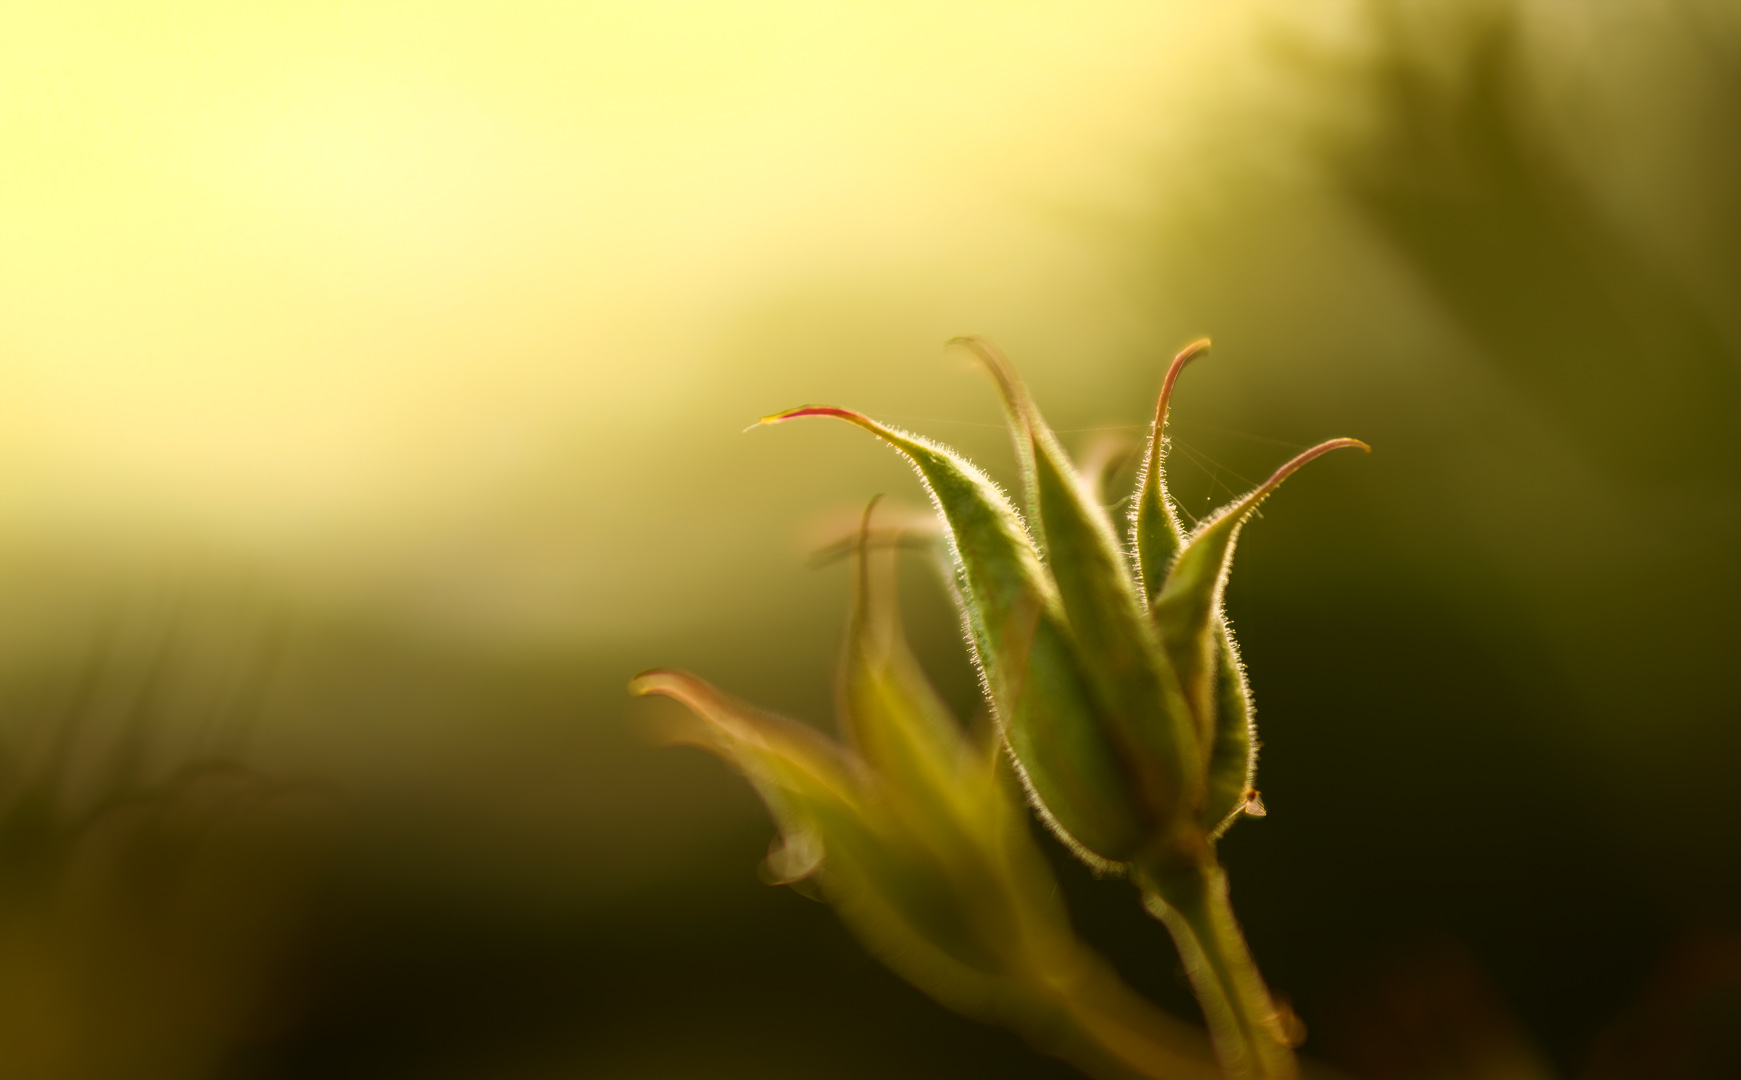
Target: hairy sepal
{"points": [[1187, 610], [995, 558], [1156, 532], [1233, 751], [1047, 712], [1229, 733], [1139, 703]]}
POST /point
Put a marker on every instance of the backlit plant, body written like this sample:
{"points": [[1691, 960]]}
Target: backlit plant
{"points": [[1119, 696]]}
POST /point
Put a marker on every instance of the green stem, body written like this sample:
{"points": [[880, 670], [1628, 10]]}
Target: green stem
{"points": [[1121, 1036], [1247, 1028]]}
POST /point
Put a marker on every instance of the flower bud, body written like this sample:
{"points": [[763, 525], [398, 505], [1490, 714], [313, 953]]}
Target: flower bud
{"points": [[1112, 673]]}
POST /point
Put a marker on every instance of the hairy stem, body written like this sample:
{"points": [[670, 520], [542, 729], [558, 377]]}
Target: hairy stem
{"points": [[1248, 1030]]}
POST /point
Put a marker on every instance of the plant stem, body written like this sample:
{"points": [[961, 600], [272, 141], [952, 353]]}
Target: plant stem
{"points": [[1121, 1036], [1247, 1028]]}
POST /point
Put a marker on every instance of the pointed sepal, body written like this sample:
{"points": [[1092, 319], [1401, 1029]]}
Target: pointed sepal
{"points": [[998, 567], [1156, 532], [1138, 702], [1233, 750], [1188, 609], [1050, 718]]}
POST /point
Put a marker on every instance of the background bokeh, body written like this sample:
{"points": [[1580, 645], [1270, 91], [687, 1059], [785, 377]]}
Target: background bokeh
{"points": [[372, 385]]}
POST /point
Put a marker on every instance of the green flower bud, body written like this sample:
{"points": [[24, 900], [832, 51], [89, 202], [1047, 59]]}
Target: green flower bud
{"points": [[1112, 673]]}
